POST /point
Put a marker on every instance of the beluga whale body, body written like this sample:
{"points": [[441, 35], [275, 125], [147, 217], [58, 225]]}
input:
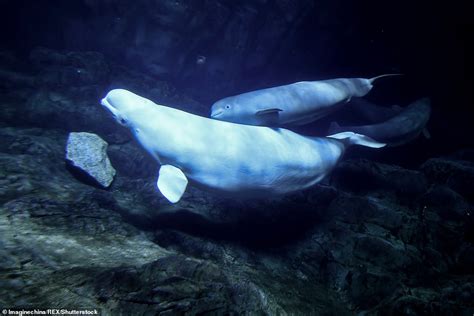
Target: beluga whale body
{"points": [[294, 104], [228, 158], [369, 112], [402, 128]]}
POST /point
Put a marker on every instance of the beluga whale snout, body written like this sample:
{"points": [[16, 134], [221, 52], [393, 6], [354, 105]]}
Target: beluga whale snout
{"points": [[293, 104], [113, 102], [246, 161], [109, 106], [216, 113]]}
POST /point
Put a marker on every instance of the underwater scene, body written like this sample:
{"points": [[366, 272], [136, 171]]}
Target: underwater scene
{"points": [[220, 157]]}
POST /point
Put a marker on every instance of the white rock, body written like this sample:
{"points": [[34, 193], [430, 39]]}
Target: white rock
{"points": [[88, 152]]}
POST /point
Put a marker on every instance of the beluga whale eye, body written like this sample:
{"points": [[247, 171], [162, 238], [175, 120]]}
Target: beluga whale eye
{"points": [[227, 106]]}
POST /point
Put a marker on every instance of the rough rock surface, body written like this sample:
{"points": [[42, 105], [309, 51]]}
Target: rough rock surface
{"points": [[401, 244], [457, 174], [87, 152]]}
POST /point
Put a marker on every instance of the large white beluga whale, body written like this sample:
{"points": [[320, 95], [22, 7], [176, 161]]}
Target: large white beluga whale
{"points": [[293, 104], [228, 158]]}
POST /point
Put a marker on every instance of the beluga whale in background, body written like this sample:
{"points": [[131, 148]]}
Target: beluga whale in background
{"points": [[244, 160], [369, 112], [398, 130], [294, 104]]}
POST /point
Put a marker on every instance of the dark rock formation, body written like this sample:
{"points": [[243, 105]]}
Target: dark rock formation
{"points": [[455, 173], [87, 153], [364, 175]]}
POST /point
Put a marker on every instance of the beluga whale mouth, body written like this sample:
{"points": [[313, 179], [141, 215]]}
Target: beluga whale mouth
{"points": [[113, 111], [106, 103], [216, 114]]}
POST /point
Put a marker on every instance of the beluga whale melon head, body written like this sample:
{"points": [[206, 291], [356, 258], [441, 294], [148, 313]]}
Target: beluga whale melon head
{"points": [[123, 105]]}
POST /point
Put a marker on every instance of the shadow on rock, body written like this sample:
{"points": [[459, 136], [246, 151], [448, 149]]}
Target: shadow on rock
{"points": [[253, 223], [252, 230]]}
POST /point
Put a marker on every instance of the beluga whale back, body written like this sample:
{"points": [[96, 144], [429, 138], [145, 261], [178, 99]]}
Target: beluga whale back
{"points": [[294, 104], [227, 158]]}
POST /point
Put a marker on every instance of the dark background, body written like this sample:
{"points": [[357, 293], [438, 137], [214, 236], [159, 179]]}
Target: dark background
{"points": [[249, 45]]}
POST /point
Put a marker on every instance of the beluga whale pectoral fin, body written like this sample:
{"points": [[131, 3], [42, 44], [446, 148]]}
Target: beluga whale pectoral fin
{"points": [[172, 183], [268, 111], [268, 116], [351, 138]]}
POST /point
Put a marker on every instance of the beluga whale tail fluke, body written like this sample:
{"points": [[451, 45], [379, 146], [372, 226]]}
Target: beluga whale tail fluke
{"points": [[368, 84], [293, 104], [214, 155], [373, 79]]}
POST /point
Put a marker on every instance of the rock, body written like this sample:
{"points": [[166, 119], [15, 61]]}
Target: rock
{"points": [[456, 174], [9, 79], [177, 284], [386, 214], [251, 37], [70, 109], [88, 153], [53, 229], [435, 260], [63, 89], [449, 204], [60, 69], [351, 209], [356, 210], [413, 305], [132, 161], [369, 288], [376, 176], [384, 253], [465, 259]]}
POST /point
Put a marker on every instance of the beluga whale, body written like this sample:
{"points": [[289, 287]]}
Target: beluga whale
{"points": [[293, 104], [368, 112], [398, 130], [227, 158]]}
